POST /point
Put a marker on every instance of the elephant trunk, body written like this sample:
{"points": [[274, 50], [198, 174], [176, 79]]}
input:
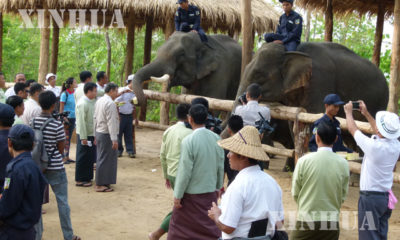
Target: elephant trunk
{"points": [[153, 71]]}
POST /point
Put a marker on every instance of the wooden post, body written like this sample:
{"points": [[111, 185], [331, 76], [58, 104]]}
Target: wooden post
{"points": [[231, 33], [329, 21], [308, 26], [376, 57], [395, 64], [44, 47], [130, 45], [108, 71], [247, 33], [54, 48], [147, 59], [164, 106], [301, 132], [1, 41]]}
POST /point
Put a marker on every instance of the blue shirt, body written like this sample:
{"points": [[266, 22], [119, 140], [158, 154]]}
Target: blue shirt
{"points": [[338, 145], [191, 17], [5, 156], [290, 27], [69, 105], [21, 203]]}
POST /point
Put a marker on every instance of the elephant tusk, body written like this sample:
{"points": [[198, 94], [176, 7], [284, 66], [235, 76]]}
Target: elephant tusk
{"points": [[163, 79]]}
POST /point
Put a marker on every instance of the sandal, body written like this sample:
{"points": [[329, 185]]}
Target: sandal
{"points": [[76, 238], [83, 184], [105, 189]]}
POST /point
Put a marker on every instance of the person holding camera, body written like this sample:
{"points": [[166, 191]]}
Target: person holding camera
{"points": [[251, 111], [381, 152], [332, 103]]}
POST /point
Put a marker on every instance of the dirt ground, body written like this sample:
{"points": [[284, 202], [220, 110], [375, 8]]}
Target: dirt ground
{"points": [[140, 200]]}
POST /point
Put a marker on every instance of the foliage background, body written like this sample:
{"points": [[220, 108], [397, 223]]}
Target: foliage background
{"points": [[85, 49]]}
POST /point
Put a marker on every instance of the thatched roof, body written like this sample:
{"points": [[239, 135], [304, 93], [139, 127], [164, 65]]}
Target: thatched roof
{"points": [[222, 15], [344, 7]]}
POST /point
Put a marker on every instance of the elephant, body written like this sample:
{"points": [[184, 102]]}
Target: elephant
{"points": [[304, 77], [209, 69]]}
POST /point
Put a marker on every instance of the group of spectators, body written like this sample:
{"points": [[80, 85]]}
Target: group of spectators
{"points": [[54, 112]]}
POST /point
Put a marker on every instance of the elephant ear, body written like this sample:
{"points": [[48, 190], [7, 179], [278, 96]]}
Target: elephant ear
{"points": [[206, 61], [296, 71]]}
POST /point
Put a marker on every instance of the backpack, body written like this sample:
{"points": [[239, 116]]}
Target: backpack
{"points": [[39, 153]]}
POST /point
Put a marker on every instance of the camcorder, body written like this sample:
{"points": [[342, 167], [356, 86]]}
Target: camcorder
{"points": [[263, 126], [60, 116], [212, 123]]}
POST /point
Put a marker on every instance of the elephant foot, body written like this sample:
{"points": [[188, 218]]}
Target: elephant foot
{"points": [[289, 165]]}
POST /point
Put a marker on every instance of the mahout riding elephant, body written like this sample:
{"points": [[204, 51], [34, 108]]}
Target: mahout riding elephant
{"points": [[304, 77], [211, 69]]}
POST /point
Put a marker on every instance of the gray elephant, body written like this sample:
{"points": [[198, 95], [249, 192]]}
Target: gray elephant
{"points": [[211, 69], [303, 78]]}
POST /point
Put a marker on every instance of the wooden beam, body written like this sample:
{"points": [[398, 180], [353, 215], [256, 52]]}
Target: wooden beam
{"points": [[54, 48], [278, 111], [329, 21], [44, 46], [356, 168], [247, 33], [380, 20], [394, 84], [1, 41], [130, 45], [146, 59]]}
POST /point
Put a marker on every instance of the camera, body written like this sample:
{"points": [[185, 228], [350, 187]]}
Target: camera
{"points": [[356, 105], [263, 126], [242, 99], [60, 116], [214, 124]]}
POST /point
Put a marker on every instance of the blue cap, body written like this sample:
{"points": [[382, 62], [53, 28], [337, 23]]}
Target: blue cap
{"points": [[289, 1], [6, 111], [181, 1], [333, 99], [21, 131]]}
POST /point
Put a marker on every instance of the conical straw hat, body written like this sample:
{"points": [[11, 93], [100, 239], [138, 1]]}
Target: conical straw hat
{"points": [[247, 143]]}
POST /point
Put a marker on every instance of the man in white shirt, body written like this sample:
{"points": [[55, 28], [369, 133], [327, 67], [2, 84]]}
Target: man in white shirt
{"points": [[51, 81], [102, 80], [252, 205], [381, 153], [250, 111], [32, 107], [127, 113], [20, 77]]}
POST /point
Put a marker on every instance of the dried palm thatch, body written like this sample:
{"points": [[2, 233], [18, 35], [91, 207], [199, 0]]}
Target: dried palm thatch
{"points": [[222, 15], [345, 7]]}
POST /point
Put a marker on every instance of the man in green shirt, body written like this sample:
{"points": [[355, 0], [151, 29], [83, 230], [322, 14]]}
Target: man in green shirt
{"points": [[85, 150], [2, 87], [319, 187], [199, 177], [169, 156]]}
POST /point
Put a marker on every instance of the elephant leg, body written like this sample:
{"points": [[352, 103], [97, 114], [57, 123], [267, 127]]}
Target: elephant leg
{"points": [[285, 137]]}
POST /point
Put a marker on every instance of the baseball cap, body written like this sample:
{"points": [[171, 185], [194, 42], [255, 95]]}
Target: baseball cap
{"points": [[6, 111], [181, 1], [21, 131], [49, 75], [130, 78], [333, 99]]}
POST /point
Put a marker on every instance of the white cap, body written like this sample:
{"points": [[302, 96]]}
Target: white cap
{"points": [[130, 78], [49, 75], [388, 124]]}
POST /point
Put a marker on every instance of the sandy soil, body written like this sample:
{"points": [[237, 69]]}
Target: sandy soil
{"points": [[140, 200]]}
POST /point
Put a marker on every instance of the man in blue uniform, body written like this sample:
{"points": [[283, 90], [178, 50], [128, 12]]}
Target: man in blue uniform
{"points": [[6, 121], [21, 201], [289, 29], [187, 19], [332, 103]]}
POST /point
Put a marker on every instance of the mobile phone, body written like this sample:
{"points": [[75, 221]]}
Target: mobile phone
{"points": [[356, 105]]}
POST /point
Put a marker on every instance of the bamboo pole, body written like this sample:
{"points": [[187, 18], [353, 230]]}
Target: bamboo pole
{"points": [[44, 46], [393, 105], [247, 33], [376, 57], [1, 41], [107, 38], [54, 48], [278, 111], [130, 45], [329, 21]]}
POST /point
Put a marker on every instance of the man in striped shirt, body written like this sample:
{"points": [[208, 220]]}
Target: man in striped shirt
{"points": [[54, 141]]}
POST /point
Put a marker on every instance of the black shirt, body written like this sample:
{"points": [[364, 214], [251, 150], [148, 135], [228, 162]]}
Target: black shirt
{"points": [[5, 156], [21, 203]]}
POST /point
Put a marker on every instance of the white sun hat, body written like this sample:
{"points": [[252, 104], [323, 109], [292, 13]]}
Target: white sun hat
{"points": [[388, 124], [49, 75], [130, 78]]}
